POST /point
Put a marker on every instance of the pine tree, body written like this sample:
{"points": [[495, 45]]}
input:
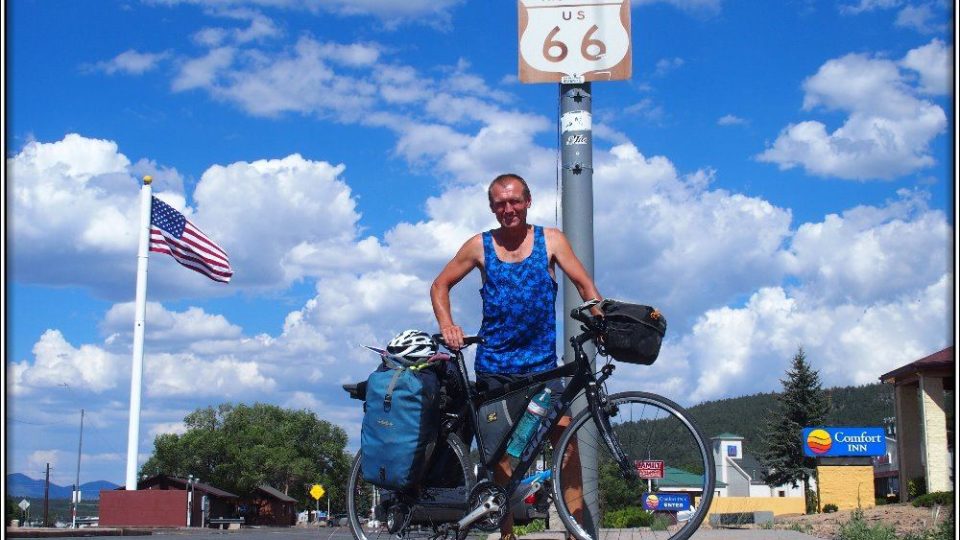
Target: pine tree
{"points": [[801, 404]]}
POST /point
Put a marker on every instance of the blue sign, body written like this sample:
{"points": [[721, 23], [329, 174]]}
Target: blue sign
{"points": [[666, 502], [844, 441]]}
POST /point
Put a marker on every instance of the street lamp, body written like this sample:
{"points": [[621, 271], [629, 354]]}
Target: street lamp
{"points": [[191, 482]]}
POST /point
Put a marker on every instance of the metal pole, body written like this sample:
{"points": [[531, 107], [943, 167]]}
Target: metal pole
{"points": [[140, 312], [576, 158], [46, 499], [76, 495]]}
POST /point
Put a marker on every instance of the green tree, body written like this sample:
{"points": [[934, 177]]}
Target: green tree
{"points": [[802, 403], [238, 447]]}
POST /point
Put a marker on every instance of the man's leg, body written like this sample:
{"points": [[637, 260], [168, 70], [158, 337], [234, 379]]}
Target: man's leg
{"points": [[501, 475], [572, 478]]}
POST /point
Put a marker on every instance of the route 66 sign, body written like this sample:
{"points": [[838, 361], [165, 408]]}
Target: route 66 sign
{"points": [[574, 40]]}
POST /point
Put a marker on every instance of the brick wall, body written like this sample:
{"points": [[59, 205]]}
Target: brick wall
{"points": [[143, 508]]}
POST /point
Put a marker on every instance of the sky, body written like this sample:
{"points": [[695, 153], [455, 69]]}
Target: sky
{"points": [[774, 175]]}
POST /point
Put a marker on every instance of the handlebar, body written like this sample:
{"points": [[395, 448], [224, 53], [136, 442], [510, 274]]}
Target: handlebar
{"points": [[581, 313], [467, 341]]}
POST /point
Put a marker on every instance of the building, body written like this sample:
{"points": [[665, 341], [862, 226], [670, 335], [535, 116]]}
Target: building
{"points": [[166, 501], [269, 506], [886, 472], [925, 441], [740, 473]]}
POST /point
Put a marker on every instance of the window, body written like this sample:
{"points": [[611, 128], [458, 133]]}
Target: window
{"points": [[781, 493], [732, 451]]}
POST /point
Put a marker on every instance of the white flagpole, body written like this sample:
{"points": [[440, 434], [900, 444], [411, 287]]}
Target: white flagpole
{"points": [[136, 373]]}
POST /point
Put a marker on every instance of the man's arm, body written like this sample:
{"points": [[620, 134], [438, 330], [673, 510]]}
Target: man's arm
{"points": [[469, 257], [572, 267]]}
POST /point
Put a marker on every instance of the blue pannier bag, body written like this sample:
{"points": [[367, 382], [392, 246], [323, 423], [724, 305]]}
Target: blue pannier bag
{"points": [[400, 425]]}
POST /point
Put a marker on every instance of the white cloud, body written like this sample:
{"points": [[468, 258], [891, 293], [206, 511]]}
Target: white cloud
{"points": [[706, 7], [391, 12], [730, 120], [175, 428], [646, 108], [305, 202], [87, 368], [666, 65], [737, 351], [887, 133], [933, 62], [169, 327], [78, 197], [131, 62], [920, 18], [189, 375], [868, 5], [870, 253], [202, 72]]}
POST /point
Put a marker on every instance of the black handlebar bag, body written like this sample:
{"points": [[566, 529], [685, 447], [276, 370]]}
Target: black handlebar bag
{"points": [[634, 332]]}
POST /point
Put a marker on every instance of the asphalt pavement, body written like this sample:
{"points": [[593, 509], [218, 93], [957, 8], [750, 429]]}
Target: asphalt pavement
{"points": [[343, 533]]}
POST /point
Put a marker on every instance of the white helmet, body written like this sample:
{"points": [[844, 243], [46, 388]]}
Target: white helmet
{"points": [[412, 345]]}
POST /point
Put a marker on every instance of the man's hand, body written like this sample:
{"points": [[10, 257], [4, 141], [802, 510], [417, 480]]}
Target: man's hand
{"points": [[452, 336]]}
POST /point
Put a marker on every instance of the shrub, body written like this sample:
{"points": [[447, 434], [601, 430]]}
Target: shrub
{"points": [[858, 529], [631, 516], [829, 508], [659, 523], [916, 487], [534, 526], [942, 498]]}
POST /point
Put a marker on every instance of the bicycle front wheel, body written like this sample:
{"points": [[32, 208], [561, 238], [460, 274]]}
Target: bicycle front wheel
{"points": [[671, 480]]}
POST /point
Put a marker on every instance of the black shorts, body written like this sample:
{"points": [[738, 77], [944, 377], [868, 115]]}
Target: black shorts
{"points": [[491, 381]]}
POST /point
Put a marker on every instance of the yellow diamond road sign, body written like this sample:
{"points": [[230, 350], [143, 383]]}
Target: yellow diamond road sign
{"points": [[317, 491]]}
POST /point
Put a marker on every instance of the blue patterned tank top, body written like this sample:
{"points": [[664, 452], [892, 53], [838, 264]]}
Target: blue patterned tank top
{"points": [[519, 320]]}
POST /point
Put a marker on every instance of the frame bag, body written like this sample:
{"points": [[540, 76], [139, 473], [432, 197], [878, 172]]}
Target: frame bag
{"points": [[498, 416], [633, 332], [400, 426]]}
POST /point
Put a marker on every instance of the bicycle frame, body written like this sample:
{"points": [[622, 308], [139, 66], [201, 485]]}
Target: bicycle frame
{"points": [[582, 379]]}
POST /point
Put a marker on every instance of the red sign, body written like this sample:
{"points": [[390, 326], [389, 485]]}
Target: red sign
{"points": [[649, 469]]}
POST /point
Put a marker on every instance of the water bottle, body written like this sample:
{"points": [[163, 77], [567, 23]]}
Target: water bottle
{"points": [[536, 409]]}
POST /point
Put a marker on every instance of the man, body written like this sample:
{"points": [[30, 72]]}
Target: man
{"points": [[516, 262]]}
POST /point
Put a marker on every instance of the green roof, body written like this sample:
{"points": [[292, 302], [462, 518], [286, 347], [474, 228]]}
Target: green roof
{"points": [[727, 436], [673, 477]]}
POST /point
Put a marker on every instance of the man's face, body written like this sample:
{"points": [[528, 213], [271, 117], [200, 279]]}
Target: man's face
{"points": [[509, 204]]}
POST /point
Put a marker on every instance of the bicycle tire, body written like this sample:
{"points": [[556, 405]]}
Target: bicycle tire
{"points": [[649, 427], [360, 494]]}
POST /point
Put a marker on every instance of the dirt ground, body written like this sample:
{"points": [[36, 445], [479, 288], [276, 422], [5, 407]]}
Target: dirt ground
{"points": [[904, 518]]}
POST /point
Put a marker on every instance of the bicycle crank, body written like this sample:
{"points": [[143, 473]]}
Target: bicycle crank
{"points": [[491, 507]]}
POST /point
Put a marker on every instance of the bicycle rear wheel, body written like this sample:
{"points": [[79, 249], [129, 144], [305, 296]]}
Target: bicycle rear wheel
{"points": [[380, 514], [656, 435]]}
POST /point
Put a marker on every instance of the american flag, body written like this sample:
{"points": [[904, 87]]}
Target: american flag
{"points": [[172, 233]]}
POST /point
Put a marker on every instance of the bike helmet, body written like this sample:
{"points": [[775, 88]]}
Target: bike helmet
{"points": [[412, 345]]}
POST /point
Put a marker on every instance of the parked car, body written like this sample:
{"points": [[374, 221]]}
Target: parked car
{"points": [[337, 520]]}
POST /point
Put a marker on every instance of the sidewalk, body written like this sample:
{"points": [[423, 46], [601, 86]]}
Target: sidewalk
{"points": [[47, 532]]}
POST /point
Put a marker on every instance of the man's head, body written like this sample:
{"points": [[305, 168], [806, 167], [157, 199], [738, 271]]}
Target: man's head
{"points": [[510, 199]]}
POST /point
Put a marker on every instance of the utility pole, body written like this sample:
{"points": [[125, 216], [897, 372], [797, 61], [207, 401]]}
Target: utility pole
{"points": [[76, 489], [46, 498]]}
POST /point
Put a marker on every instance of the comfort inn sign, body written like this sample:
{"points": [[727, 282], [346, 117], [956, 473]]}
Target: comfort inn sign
{"points": [[844, 441]]}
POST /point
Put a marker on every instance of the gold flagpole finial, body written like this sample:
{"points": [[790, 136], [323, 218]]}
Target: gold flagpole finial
{"points": [[147, 179]]}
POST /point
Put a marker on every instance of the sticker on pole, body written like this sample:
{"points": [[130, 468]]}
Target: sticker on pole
{"points": [[574, 41]]}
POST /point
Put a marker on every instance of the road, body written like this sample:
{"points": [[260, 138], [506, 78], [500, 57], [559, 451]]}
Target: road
{"points": [[343, 533]]}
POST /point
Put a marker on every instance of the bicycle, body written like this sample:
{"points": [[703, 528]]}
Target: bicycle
{"points": [[630, 433]]}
